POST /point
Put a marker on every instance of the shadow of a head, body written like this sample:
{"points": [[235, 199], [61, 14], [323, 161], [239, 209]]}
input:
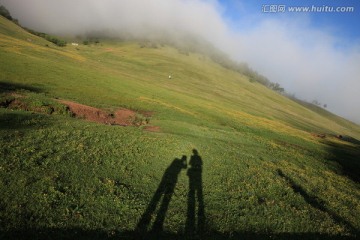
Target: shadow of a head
{"points": [[195, 160], [181, 163]]}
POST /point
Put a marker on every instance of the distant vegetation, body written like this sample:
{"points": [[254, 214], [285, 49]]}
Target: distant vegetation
{"points": [[50, 38], [244, 69], [6, 14], [91, 41]]}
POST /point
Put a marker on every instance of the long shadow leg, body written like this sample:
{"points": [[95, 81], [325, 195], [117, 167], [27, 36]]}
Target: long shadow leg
{"points": [[160, 218], [145, 219], [190, 220], [165, 189], [195, 190], [201, 210]]}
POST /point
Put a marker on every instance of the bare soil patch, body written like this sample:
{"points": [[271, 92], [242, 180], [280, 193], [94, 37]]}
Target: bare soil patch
{"points": [[122, 117]]}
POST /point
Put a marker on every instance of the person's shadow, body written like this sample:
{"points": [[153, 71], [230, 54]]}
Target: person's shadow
{"points": [[165, 190], [195, 193]]}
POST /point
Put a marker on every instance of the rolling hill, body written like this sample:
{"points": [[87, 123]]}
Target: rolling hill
{"points": [[259, 165]]}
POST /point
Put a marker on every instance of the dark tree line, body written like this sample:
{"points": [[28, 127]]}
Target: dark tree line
{"points": [[55, 40], [245, 70], [6, 14]]}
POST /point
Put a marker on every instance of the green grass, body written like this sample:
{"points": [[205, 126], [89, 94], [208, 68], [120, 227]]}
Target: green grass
{"points": [[264, 175]]}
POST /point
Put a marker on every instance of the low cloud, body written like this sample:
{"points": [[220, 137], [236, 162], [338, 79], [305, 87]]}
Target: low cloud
{"points": [[310, 62]]}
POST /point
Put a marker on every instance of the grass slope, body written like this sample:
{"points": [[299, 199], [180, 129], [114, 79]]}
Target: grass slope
{"points": [[263, 174]]}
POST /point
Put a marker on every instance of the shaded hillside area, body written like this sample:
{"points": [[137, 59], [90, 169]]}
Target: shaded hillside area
{"points": [[205, 154]]}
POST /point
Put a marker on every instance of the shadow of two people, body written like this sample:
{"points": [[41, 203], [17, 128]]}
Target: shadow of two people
{"points": [[165, 191]]}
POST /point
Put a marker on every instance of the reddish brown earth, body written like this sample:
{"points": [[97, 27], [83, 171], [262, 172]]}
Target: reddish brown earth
{"points": [[122, 117]]}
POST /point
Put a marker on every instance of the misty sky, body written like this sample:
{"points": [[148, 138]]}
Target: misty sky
{"points": [[314, 55]]}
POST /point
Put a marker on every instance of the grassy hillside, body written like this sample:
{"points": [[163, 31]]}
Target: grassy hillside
{"points": [[264, 171]]}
